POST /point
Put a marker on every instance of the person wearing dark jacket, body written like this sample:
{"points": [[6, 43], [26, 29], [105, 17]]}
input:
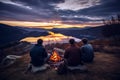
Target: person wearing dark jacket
{"points": [[87, 51], [72, 54], [38, 54]]}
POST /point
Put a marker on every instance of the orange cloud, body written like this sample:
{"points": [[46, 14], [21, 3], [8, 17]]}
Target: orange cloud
{"points": [[46, 25]]}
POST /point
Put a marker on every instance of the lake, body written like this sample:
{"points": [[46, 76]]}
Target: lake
{"points": [[52, 38]]}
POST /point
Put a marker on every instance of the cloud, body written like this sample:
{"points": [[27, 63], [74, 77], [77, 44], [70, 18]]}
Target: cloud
{"points": [[22, 10], [104, 10], [66, 11], [76, 4], [16, 4], [107, 8]]}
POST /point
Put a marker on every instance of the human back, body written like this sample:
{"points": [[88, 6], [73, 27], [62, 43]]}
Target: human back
{"points": [[73, 55], [37, 51], [87, 51], [38, 55]]}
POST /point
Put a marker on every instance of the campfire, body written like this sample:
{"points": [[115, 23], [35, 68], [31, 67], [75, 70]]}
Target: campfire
{"points": [[55, 57]]}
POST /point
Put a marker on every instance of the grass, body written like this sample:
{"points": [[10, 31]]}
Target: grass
{"points": [[105, 67]]}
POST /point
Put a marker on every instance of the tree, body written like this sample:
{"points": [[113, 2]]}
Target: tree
{"points": [[104, 22], [111, 27], [113, 20], [118, 19]]}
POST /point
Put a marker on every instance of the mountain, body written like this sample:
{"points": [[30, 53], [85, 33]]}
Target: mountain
{"points": [[10, 33], [87, 32], [33, 29], [14, 33], [99, 32], [72, 28]]}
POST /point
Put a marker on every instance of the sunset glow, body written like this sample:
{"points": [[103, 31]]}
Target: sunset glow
{"points": [[46, 25], [50, 14]]}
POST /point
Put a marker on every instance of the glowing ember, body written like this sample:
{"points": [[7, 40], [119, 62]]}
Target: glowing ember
{"points": [[55, 57]]}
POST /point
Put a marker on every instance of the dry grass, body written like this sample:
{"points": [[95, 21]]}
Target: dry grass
{"points": [[105, 67]]}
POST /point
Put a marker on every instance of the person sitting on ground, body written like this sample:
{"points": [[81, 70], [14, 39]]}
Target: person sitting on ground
{"points": [[72, 54], [87, 51], [72, 57], [38, 55]]}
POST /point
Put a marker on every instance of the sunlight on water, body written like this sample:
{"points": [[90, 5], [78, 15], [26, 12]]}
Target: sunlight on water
{"points": [[51, 38]]}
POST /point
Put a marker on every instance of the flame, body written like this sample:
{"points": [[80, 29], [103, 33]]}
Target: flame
{"points": [[55, 57]]}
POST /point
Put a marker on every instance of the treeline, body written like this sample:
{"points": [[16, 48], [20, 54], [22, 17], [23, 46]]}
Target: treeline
{"points": [[111, 27], [113, 20]]}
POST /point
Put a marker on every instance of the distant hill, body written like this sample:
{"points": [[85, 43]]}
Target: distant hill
{"points": [[9, 33], [98, 32], [32, 29], [88, 32], [111, 30], [12, 33]]}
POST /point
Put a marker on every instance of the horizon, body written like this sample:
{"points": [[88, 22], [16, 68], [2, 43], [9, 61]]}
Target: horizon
{"points": [[46, 25]]}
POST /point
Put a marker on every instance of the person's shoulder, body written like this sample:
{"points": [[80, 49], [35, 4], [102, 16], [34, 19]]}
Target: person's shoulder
{"points": [[90, 45], [86, 45], [82, 46], [77, 46], [68, 48]]}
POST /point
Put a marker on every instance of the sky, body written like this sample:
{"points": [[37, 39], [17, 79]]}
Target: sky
{"points": [[57, 13]]}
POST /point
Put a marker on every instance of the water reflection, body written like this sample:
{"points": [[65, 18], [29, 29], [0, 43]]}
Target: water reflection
{"points": [[51, 38]]}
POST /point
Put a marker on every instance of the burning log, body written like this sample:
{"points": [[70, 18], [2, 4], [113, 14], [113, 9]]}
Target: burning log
{"points": [[55, 57]]}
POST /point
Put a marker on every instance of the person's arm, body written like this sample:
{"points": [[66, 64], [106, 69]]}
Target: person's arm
{"points": [[45, 53], [82, 50], [80, 57], [66, 54]]}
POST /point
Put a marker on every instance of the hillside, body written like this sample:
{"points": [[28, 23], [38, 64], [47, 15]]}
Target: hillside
{"points": [[89, 32], [98, 32], [12, 33], [8, 33], [106, 65]]}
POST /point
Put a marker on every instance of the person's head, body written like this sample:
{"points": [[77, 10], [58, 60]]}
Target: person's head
{"points": [[71, 41], [85, 40], [39, 41]]}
